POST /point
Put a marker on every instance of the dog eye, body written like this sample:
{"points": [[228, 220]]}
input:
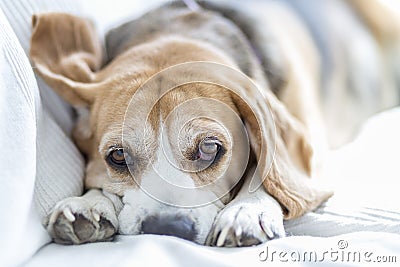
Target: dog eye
{"points": [[116, 158], [209, 148]]}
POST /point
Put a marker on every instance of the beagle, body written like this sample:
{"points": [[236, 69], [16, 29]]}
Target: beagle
{"points": [[206, 121]]}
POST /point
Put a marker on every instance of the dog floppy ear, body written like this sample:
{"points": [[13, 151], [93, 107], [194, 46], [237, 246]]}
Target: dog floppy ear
{"points": [[66, 52], [286, 174]]}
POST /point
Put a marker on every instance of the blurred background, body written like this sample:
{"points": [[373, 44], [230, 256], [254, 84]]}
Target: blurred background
{"points": [[115, 11]]}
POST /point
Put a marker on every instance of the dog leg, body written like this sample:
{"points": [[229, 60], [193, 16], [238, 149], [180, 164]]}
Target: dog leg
{"points": [[249, 219], [78, 220]]}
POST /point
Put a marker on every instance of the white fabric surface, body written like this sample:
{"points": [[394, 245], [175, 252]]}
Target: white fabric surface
{"points": [[35, 146], [162, 251]]}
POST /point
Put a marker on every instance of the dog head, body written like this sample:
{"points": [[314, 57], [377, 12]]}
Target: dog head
{"points": [[173, 127]]}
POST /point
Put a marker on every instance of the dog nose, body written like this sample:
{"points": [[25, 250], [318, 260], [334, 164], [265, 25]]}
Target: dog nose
{"points": [[175, 225]]}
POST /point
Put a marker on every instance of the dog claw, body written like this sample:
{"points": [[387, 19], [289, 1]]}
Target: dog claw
{"points": [[246, 224], [238, 231], [238, 234], [267, 230], [222, 237], [75, 221], [68, 214], [96, 216]]}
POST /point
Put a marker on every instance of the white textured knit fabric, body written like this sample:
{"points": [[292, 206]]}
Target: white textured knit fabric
{"points": [[39, 164], [20, 228], [59, 168], [331, 219], [59, 164]]}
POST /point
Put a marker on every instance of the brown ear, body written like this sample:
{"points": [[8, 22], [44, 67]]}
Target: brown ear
{"points": [[66, 51], [286, 173]]}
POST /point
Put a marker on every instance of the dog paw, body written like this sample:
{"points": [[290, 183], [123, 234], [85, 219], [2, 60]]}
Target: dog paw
{"points": [[75, 221], [246, 224]]}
